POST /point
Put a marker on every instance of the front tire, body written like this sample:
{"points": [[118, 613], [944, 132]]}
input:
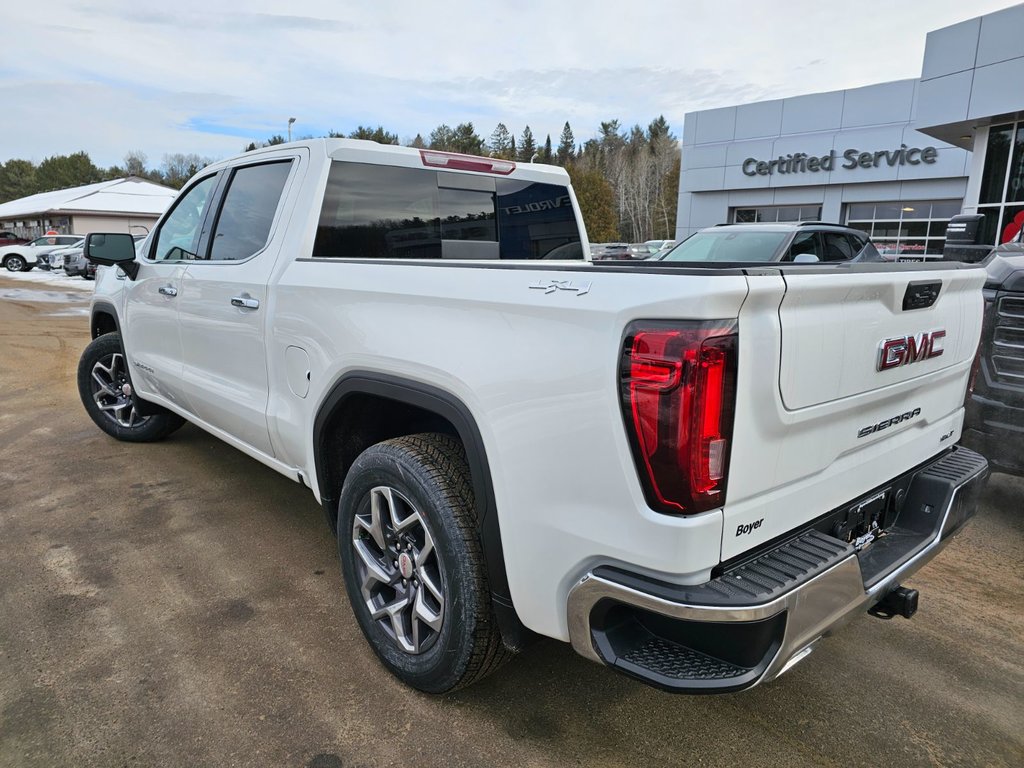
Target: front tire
{"points": [[14, 263], [413, 566], [105, 386]]}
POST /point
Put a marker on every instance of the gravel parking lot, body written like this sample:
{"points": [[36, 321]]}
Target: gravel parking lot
{"points": [[180, 604]]}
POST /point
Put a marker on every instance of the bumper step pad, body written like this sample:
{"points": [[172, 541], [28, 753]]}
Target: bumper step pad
{"points": [[667, 659]]}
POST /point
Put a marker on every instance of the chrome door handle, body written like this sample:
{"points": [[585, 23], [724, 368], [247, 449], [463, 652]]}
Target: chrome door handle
{"points": [[245, 302], [167, 290]]}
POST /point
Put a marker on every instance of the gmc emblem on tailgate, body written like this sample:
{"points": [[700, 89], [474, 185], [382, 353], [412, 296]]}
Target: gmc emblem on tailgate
{"points": [[904, 350]]}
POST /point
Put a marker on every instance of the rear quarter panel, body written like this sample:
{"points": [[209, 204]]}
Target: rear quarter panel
{"points": [[538, 371]]}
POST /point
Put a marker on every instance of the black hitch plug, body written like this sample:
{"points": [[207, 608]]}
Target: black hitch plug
{"points": [[900, 601]]}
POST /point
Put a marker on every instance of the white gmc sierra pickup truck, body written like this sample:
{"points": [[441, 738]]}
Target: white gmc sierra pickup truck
{"points": [[690, 472]]}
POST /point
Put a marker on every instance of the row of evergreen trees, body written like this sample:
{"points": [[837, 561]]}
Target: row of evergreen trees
{"points": [[626, 181], [21, 178]]}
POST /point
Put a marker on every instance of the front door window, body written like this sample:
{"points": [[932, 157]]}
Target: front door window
{"points": [[178, 237]]}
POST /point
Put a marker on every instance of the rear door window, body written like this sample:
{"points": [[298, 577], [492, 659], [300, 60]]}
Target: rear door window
{"points": [[247, 214]]}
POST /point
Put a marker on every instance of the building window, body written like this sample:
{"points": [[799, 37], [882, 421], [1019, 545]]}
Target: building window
{"points": [[1001, 198], [774, 213], [907, 228]]}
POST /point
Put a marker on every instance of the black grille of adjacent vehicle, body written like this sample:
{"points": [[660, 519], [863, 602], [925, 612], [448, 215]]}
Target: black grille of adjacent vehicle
{"points": [[1007, 352]]}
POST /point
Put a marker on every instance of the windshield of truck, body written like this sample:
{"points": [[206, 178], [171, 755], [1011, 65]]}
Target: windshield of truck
{"points": [[728, 245]]}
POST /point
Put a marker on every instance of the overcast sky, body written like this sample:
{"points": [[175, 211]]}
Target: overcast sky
{"points": [[109, 76]]}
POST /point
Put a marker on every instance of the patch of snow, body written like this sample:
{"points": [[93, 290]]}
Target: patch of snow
{"points": [[55, 277]]}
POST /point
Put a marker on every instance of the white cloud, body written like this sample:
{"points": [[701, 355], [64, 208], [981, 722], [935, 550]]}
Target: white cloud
{"points": [[205, 77]]}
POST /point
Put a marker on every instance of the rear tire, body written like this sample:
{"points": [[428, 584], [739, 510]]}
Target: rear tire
{"points": [[413, 566], [105, 386]]}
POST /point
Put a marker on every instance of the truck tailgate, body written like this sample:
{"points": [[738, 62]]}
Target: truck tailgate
{"points": [[846, 378]]}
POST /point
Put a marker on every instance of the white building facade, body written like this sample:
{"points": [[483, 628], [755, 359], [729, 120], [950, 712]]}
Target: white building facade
{"points": [[895, 159]]}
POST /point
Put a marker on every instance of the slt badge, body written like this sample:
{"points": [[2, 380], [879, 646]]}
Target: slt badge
{"points": [[550, 286]]}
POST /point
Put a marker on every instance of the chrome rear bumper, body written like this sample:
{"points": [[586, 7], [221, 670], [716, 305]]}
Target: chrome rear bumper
{"points": [[816, 603]]}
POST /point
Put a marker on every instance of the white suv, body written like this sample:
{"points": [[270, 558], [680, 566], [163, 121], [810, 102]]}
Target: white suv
{"points": [[22, 258]]}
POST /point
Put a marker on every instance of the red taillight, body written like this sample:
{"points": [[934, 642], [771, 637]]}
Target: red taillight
{"points": [[678, 383], [456, 162]]}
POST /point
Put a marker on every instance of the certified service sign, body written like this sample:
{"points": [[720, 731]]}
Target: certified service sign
{"points": [[851, 160]]}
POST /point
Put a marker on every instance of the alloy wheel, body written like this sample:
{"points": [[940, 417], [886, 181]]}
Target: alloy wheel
{"points": [[112, 391], [399, 570]]}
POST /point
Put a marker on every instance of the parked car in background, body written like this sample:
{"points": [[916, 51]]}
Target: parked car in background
{"points": [[799, 242], [9, 238], [661, 245], [611, 252], [642, 250], [56, 259], [22, 258]]}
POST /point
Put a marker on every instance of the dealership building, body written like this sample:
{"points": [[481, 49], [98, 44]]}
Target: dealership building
{"points": [[895, 159]]}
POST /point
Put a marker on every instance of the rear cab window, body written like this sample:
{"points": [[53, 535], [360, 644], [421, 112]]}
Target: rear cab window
{"points": [[391, 212]]}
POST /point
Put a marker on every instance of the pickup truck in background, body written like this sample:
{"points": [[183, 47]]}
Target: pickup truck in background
{"points": [[995, 404], [692, 473], [994, 420]]}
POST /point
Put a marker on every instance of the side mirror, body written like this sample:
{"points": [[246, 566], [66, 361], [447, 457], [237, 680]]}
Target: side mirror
{"points": [[112, 250], [805, 258]]}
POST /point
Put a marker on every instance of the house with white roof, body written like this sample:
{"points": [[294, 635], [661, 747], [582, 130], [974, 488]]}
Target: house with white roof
{"points": [[123, 205]]}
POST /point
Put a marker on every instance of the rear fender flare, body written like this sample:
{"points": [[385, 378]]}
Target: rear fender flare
{"points": [[453, 410]]}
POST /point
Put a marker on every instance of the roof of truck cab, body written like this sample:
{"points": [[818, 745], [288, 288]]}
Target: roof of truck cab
{"points": [[362, 150]]}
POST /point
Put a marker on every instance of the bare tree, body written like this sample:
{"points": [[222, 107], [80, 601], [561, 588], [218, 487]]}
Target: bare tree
{"points": [[178, 168], [135, 163]]}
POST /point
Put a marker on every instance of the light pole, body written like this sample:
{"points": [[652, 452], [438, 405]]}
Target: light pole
{"points": [[290, 121]]}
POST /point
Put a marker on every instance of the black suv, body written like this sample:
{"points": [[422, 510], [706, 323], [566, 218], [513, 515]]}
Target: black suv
{"points": [[801, 242]]}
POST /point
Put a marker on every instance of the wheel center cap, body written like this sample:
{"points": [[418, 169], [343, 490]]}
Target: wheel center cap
{"points": [[405, 565]]}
